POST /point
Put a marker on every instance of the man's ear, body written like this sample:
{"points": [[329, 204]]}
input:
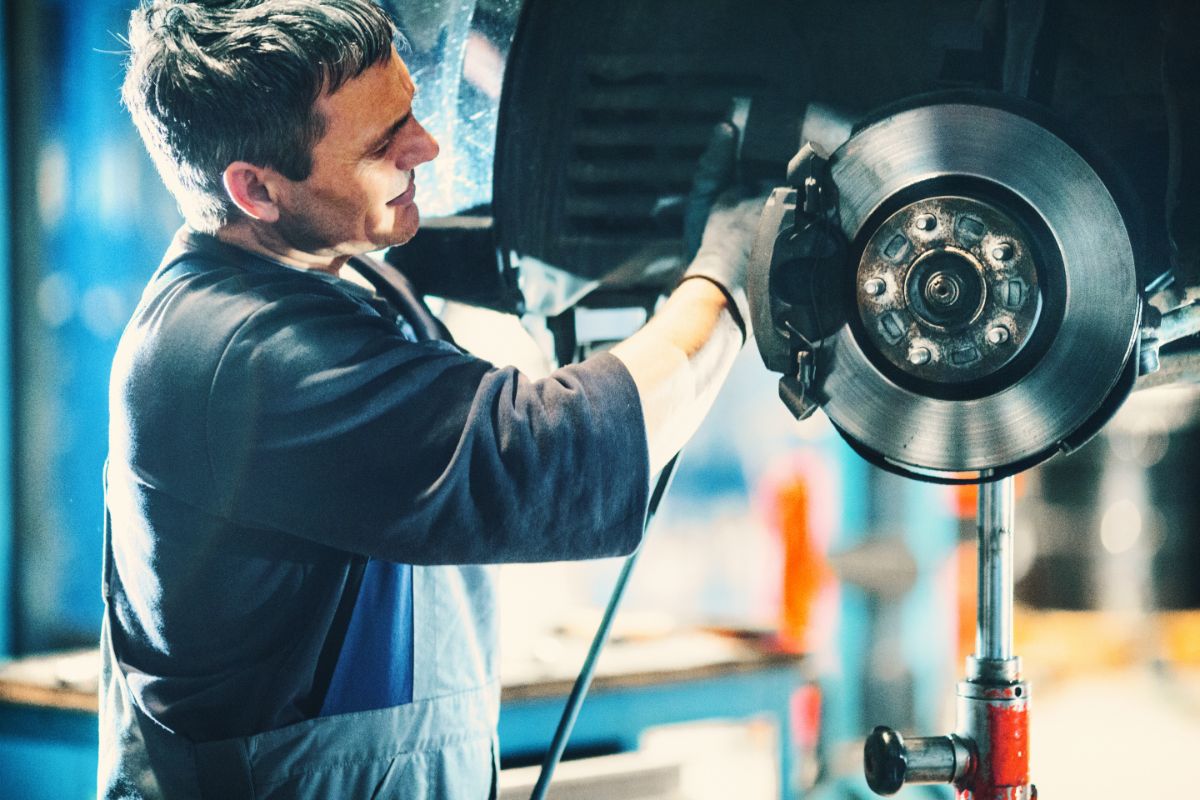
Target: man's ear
{"points": [[252, 189]]}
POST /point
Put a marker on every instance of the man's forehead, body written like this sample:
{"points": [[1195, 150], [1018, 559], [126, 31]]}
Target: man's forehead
{"points": [[378, 93], [405, 75]]}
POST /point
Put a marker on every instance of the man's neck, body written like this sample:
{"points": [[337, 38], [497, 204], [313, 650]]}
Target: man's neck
{"points": [[256, 240]]}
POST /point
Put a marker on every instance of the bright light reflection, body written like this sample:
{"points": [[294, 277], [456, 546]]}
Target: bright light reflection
{"points": [[1120, 527]]}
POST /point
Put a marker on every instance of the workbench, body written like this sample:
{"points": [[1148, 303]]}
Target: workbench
{"points": [[48, 746]]}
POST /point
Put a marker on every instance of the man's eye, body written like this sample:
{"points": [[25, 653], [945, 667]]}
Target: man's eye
{"points": [[381, 151]]}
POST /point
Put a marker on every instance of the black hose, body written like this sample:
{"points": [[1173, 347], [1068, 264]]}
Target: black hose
{"points": [[582, 683]]}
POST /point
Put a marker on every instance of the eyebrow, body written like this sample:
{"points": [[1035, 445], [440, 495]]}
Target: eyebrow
{"points": [[380, 141]]}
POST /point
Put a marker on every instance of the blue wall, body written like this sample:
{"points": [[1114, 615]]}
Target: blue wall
{"points": [[6, 528], [104, 220]]}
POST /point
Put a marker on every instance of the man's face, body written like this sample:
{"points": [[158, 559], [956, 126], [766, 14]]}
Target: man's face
{"points": [[360, 194]]}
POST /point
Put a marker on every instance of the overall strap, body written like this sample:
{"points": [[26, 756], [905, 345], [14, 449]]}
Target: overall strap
{"points": [[331, 650], [398, 291]]}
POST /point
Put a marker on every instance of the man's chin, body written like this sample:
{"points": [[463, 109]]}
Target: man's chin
{"points": [[406, 227]]}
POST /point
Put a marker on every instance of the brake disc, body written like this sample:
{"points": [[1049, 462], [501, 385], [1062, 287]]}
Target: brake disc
{"points": [[992, 301]]}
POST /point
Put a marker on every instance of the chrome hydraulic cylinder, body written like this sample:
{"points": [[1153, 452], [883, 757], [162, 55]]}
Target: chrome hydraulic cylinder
{"points": [[994, 620]]}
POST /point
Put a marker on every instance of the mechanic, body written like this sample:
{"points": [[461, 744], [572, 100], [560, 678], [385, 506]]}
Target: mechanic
{"points": [[306, 483]]}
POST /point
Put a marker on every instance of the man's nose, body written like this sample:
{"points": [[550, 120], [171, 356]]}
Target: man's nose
{"points": [[420, 147]]}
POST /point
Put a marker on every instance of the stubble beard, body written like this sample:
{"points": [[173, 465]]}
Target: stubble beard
{"points": [[309, 232]]}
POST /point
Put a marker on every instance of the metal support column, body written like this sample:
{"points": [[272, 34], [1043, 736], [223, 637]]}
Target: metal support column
{"points": [[993, 623]]}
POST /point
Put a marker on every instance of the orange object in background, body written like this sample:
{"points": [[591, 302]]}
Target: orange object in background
{"points": [[966, 497], [966, 500], [805, 567], [966, 555]]}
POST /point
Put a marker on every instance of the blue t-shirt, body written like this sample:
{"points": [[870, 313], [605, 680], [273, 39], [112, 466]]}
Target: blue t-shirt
{"points": [[280, 447]]}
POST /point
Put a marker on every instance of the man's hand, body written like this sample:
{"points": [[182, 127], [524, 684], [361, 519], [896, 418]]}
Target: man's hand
{"points": [[715, 174], [683, 355], [720, 223], [725, 252]]}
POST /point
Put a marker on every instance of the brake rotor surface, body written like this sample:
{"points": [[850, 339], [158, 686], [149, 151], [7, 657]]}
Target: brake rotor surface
{"points": [[995, 299]]}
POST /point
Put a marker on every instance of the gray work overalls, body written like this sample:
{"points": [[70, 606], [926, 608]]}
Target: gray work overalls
{"points": [[442, 745]]}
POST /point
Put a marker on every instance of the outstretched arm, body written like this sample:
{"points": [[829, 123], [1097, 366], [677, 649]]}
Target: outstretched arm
{"points": [[680, 359]]}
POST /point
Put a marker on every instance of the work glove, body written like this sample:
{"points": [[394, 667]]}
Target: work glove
{"points": [[720, 223]]}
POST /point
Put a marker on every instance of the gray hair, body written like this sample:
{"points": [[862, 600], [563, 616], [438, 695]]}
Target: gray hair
{"points": [[210, 83]]}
